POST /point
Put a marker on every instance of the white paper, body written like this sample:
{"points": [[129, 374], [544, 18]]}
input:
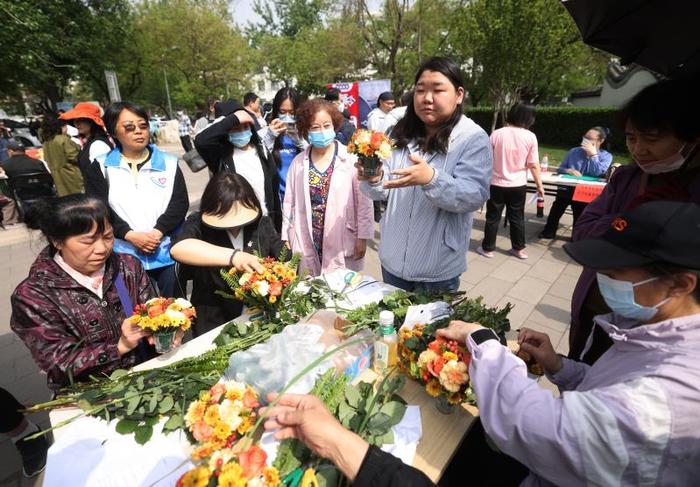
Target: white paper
{"points": [[426, 313]]}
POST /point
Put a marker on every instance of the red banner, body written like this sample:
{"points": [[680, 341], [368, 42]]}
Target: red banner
{"points": [[585, 193], [350, 96]]}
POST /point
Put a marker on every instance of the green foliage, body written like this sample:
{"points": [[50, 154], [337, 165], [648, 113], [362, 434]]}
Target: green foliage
{"points": [[292, 453], [561, 126]]}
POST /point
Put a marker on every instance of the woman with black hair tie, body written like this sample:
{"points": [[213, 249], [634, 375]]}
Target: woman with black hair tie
{"points": [[145, 191], [228, 231], [232, 144], [85, 117], [435, 179]]}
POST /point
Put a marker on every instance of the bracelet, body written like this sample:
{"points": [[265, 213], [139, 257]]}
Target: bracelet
{"points": [[233, 254]]}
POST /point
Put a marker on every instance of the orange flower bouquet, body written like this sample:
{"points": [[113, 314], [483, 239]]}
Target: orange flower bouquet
{"points": [[164, 317], [218, 421], [442, 365], [264, 291], [370, 147]]}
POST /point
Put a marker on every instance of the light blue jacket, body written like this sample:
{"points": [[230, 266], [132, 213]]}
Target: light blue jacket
{"points": [[425, 230]]}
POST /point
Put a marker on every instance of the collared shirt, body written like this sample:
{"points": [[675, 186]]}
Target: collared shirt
{"points": [[92, 283], [588, 166], [185, 126], [425, 230]]}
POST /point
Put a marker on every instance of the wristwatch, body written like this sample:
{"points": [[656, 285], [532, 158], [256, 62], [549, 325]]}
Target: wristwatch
{"points": [[484, 334]]}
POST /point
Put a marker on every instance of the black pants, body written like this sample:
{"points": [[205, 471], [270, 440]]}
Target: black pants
{"points": [[562, 201], [514, 201], [165, 282], [186, 142], [10, 417]]}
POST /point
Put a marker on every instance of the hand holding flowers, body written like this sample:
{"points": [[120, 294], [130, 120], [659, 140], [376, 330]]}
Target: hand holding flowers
{"points": [[370, 148], [166, 318]]}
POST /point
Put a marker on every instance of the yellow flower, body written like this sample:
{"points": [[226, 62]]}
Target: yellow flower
{"points": [[222, 431], [454, 375], [273, 299], [245, 426], [205, 397], [202, 451], [271, 476], [232, 476], [449, 356], [433, 388], [233, 394], [197, 477], [195, 412], [211, 417]]}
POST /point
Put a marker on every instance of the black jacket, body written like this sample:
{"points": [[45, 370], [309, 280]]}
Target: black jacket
{"points": [[21, 164], [85, 164], [212, 309], [381, 469], [213, 145]]}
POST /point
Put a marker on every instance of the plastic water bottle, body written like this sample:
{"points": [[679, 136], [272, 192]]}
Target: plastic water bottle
{"points": [[540, 206], [385, 348], [544, 164]]}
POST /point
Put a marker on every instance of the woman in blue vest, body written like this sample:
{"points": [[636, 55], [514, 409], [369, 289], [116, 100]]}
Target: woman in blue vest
{"points": [[146, 193]]}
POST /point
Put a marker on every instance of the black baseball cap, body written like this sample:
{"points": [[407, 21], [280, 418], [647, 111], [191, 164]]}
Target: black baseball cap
{"points": [[386, 96], [654, 232]]}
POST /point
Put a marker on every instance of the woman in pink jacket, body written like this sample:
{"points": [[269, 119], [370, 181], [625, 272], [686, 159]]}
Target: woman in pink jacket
{"points": [[325, 216]]}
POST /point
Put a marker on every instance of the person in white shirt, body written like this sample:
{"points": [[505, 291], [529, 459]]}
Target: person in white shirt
{"points": [[376, 120]]}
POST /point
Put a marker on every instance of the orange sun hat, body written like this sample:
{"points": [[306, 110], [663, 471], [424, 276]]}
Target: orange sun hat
{"points": [[84, 110]]}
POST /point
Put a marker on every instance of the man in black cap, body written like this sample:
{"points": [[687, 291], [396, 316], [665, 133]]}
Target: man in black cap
{"points": [[19, 162], [376, 120], [347, 129]]}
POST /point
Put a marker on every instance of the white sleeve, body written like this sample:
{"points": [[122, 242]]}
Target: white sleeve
{"points": [[97, 149]]}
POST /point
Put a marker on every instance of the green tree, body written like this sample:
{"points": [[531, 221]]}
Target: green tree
{"points": [[522, 49], [48, 43], [285, 18]]}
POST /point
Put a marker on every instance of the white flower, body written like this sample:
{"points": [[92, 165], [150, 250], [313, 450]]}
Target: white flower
{"points": [[426, 357], [262, 288], [175, 317], [152, 301], [182, 303], [229, 411], [454, 375], [244, 279], [256, 482]]}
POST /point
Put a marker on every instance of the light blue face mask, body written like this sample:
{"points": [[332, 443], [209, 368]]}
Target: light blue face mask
{"points": [[240, 139], [322, 139], [287, 118], [619, 295]]}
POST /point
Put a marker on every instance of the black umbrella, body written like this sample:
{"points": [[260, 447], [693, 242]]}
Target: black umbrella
{"points": [[661, 35]]}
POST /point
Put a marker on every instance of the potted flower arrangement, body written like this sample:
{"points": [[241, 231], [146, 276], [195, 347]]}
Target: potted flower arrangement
{"points": [[370, 147], [443, 367], [164, 317], [263, 291]]}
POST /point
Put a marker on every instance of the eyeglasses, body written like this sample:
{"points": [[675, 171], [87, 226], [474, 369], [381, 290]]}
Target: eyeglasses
{"points": [[130, 127]]}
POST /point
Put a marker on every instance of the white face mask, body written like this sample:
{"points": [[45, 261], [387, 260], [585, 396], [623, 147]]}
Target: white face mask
{"points": [[669, 164]]}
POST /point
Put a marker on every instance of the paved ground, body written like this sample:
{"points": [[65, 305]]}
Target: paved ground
{"points": [[540, 288]]}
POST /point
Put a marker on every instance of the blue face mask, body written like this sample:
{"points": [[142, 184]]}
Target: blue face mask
{"points": [[322, 139], [619, 295], [287, 118], [240, 139]]}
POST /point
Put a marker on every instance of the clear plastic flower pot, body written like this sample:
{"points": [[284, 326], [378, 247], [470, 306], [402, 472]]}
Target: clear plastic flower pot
{"points": [[164, 340], [443, 405], [370, 166]]}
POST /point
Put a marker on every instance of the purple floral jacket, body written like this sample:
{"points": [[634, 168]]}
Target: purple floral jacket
{"points": [[70, 331]]}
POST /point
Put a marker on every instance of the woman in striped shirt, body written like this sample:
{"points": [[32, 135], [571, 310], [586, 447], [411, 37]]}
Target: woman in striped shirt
{"points": [[435, 179]]}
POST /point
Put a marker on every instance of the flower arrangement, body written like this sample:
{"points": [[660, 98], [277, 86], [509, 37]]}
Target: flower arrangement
{"points": [[164, 317], [221, 416], [369, 147], [263, 291], [218, 421], [443, 366], [229, 469]]}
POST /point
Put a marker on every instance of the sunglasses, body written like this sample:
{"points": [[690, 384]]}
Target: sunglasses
{"points": [[130, 127]]}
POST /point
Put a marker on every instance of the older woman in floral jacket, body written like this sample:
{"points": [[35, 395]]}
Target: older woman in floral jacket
{"points": [[71, 310]]}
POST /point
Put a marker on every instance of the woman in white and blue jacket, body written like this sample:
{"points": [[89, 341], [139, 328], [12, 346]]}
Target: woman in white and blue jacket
{"points": [[145, 191]]}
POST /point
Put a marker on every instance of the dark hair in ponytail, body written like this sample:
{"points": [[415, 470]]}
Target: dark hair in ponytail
{"points": [[411, 127], [67, 216]]}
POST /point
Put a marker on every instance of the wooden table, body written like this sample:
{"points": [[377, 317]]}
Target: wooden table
{"points": [[442, 434]]}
